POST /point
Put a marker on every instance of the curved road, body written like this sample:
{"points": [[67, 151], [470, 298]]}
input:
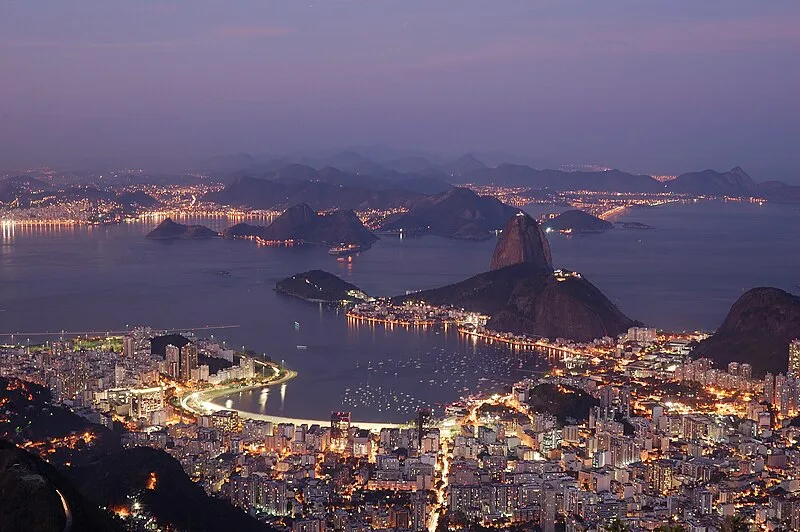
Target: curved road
{"points": [[67, 512]]}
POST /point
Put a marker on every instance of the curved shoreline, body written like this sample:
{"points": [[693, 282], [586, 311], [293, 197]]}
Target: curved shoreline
{"points": [[201, 403]]}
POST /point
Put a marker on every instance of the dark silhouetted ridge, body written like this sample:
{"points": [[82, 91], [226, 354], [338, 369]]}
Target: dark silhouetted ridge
{"points": [[757, 330], [169, 230]]}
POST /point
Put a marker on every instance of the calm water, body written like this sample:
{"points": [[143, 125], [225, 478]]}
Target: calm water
{"points": [[682, 275]]}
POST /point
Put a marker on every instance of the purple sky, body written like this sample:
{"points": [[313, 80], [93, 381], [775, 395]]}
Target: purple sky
{"points": [[658, 86]]}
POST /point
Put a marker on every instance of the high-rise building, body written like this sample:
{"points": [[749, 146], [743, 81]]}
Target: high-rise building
{"points": [[746, 371], [340, 429], [642, 335], [128, 347], [422, 416], [146, 401], [173, 361], [419, 511], [769, 388], [225, 420], [794, 358], [188, 362]]}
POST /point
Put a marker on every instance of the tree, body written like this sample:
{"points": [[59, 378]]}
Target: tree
{"points": [[615, 525], [734, 523], [670, 528]]}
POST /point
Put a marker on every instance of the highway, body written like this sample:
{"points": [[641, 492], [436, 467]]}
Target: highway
{"points": [[112, 333]]}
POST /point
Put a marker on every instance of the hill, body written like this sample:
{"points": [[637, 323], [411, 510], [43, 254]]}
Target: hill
{"points": [[757, 330], [523, 295], [28, 415], [301, 223], [32, 492], [456, 213], [577, 221], [161, 487], [735, 182], [320, 286], [169, 230]]}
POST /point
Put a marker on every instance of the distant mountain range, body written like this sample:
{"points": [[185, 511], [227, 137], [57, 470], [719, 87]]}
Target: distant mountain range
{"points": [[523, 294], [357, 168]]}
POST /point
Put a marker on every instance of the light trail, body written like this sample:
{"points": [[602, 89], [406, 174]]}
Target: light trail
{"points": [[67, 512]]}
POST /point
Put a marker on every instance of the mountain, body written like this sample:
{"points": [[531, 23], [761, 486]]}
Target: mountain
{"points": [[757, 330], [577, 221], [164, 491], [710, 182], [463, 165], [320, 194], [523, 295], [228, 162], [32, 492], [521, 175], [301, 223], [411, 164], [455, 213], [137, 199], [169, 230], [523, 241], [779, 192], [19, 189], [320, 286]]}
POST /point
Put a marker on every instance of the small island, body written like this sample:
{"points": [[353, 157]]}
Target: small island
{"points": [[319, 286], [169, 230], [577, 221], [634, 225]]}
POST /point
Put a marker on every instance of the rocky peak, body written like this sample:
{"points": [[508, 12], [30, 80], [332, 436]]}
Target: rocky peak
{"points": [[522, 241]]}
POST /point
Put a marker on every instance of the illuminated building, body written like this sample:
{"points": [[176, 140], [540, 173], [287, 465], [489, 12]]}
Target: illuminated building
{"points": [[225, 420], [340, 429], [794, 358], [128, 346], [419, 511], [146, 401], [642, 335], [422, 416], [173, 361], [188, 362]]}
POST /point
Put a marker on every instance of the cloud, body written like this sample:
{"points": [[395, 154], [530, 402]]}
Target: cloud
{"points": [[224, 33]]}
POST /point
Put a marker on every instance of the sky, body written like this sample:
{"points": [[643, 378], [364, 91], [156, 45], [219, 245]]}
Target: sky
{"points": [[646, 85]]}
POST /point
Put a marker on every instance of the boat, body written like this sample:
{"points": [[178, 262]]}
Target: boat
{"points": [[344, 249], [302, 347]]}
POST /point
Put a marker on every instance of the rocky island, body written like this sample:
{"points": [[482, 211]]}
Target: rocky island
{"points": [[524, 295], [319, 286], [456, 213], [577, 221], [170, 230], [301, 224]]}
